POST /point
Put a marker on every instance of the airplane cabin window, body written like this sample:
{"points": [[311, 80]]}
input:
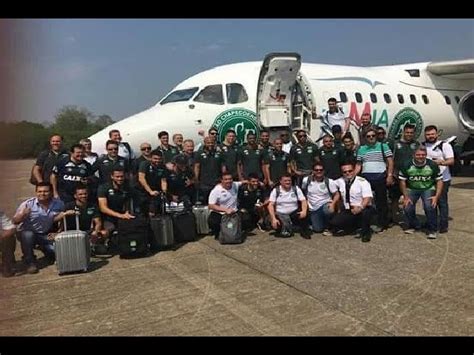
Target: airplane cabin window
{"points": [[179, 95], [425, 99], [401, 100], [387, 98], [236, 93], [211, 94], [358, 97], [413, 98], [373, 98], [457, 99], [343, 96], [447, 99]]}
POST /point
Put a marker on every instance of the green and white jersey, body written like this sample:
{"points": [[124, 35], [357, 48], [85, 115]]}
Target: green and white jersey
{"points": [[420, 177]]}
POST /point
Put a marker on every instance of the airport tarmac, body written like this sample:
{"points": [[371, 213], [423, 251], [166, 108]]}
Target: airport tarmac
{"points": [[396, 285]]}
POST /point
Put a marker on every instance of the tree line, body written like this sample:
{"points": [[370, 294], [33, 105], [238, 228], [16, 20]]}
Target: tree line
{"points": [[21, 140]]}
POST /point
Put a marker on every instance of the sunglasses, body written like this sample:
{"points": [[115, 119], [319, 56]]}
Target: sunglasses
{"points": [[370, 136], [318, 169], [213, 133], [347, 171], [112, 149], [302, 136], [145, 148]]}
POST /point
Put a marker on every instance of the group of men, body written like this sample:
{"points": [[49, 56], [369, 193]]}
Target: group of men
{"points": [[330, 189]]}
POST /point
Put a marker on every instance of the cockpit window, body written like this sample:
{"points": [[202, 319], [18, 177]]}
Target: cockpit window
{"points": [[236, 93], [179, 95], [211, 94]]}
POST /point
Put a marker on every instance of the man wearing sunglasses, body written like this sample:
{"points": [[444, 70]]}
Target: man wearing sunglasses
{"points": [[356, 195], [145, 149], [108, 162], [302, 156], [365, 126], [375, 161]]}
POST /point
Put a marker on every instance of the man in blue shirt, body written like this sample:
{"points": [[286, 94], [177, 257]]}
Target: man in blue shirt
{"points": [[37, 216]]}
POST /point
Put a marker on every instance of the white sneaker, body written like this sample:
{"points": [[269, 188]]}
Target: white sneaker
{"points": [[409, 231], [433, 235], [327, 233]]}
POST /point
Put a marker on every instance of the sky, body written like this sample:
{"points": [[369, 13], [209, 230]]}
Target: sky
{"points": [[120, 67]]}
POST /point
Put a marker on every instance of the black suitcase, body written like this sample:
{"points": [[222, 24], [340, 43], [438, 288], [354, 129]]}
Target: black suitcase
{"points": [[133, 236], [184, 227], [162, 228]]}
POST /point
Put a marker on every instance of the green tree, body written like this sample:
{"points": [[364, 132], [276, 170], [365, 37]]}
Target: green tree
{"points": [[73, 124], [103, 121]]}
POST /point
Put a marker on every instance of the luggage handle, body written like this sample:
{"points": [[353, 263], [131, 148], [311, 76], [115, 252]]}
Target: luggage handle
{"points": [[77, 221]]}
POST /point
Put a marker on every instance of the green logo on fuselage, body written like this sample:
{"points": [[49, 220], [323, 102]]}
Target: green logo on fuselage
{"points": [[403, 117], [241, 120]]}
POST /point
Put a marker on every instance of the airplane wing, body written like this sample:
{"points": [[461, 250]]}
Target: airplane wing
{"points": [[456, 69]]}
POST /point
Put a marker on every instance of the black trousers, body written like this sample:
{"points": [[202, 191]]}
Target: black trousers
{"points": [[349, 222], [7, 246], [380, 190], [214, 222]]}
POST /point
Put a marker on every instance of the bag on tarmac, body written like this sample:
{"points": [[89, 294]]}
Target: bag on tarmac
{"points": [[162, 230], [231, 229]]}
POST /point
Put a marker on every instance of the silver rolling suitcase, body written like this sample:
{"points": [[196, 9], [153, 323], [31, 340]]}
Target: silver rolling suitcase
{"points": [[72, 249], [202, 214]]}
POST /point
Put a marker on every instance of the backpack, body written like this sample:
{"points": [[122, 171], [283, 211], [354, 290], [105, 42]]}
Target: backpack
{"points": [[305, 184], [454, 169]]}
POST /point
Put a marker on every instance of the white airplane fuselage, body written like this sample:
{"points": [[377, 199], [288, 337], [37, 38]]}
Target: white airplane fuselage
{"points": [[269, 101]]}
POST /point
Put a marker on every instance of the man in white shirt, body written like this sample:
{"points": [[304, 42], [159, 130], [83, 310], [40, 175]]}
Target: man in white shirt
{"points": [[222, 200], [320, 192], [125, 151], [284, 208], [356, 195], [442, 154], [335, 116]]}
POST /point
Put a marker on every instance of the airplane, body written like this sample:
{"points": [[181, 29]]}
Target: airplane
{"points": [[282, 93]]}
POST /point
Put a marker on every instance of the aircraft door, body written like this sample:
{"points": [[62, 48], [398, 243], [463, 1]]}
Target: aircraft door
{"points": [[276, 88]]}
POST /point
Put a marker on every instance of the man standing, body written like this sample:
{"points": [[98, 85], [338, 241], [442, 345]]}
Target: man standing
{"points": [[277, 163], [330, 158], [229, 151], [68, 173], [47, 159], [178, 141], [302, 156], [365, 126], [421, 177], [403, 150], [250, 159], [124, 149], [335, 116], [152, 181], [108, 162], [207, 169], [375, 161], [442, 154], [168, 151]]}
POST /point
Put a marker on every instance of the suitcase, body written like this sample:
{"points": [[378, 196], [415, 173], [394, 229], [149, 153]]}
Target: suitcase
{"points": [[72, 249], [133, 236], [202, 214], [162, 232], [184, 227]]}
